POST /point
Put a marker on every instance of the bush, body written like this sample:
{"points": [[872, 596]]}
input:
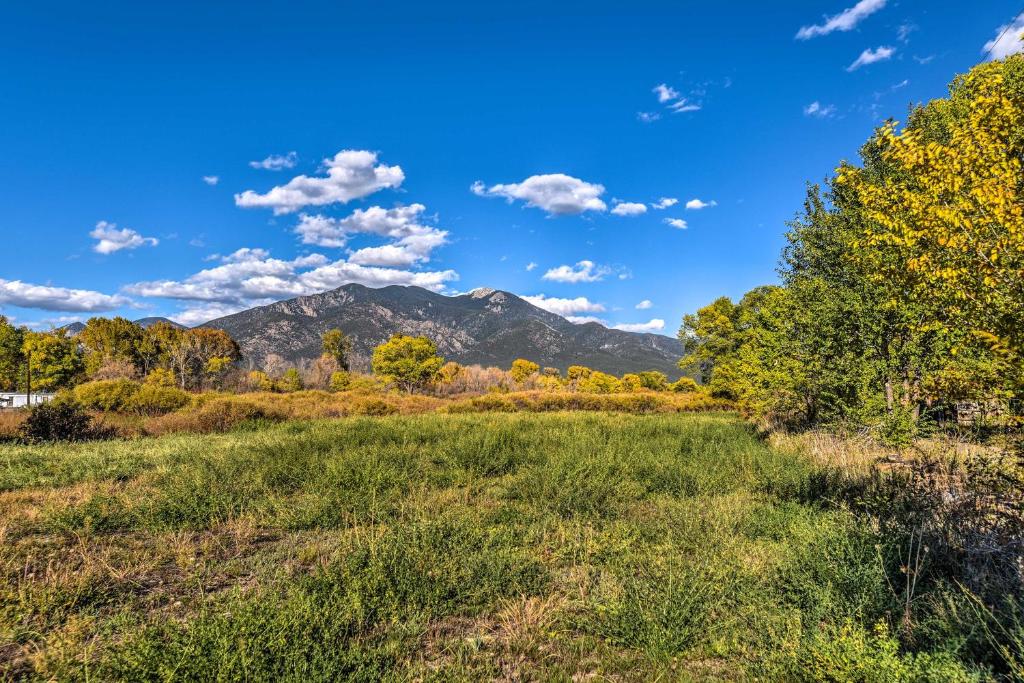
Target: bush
{"points": [[109, 395], [600, 383], [258, 380], [216, 415], [340, 380], [290, 381], [161, 377], [59, 421], [684, 385], [154, 399]]}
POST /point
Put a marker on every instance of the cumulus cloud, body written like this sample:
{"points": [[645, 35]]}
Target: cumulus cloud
{"points": [[412, 242], [250, 277], [665, 202], [211, 179], [1007, 41], [351, 174], [557, 193], [846, 20], [678, 223], [565, 307], [276, 162], [696, 204], [583, 271], [110, 239], [197, 315], [47, 298], [531, 266], [869, 56], [644, 305], [819, 110], [653, 325], [629, 209], [584, 319]]}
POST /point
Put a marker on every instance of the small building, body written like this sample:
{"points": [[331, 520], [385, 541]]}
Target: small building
{"points": [[16, 400]]}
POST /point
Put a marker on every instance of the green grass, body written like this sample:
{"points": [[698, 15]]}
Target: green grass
{"points": [[441, 547]]}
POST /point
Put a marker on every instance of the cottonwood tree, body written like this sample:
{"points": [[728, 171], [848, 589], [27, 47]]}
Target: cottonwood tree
{"points": [[338, 346], [409, 362]]}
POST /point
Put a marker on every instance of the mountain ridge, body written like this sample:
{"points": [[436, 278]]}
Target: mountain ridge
{"points": [[485, 326]]}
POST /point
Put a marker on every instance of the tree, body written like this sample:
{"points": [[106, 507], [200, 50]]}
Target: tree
{"points": [[337, 345], [523, 369], [290, 381], [111, 340], [409, 362], [952, 210], [54, 359], [12, 360], [653, 380]]}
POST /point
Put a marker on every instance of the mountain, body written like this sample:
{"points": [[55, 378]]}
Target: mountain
{"points": [[486, 326], [75, 328]]}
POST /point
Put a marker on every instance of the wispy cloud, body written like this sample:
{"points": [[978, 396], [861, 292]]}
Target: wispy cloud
{"points": [[276, 162], [869, 56], [846, 20], [698, 204], [819, 110], [211, 179], [644, 305], [677, 223]]}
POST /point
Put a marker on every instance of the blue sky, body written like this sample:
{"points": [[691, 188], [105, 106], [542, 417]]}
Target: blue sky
{"points": [[453, 145]]}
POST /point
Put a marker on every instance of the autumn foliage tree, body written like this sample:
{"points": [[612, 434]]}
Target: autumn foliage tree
{"points": [[409, 362]]}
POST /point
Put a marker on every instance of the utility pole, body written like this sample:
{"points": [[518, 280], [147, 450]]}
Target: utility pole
{"points": [[28, 378]]}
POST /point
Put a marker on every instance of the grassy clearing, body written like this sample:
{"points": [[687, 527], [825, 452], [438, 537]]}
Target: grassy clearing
{"points": [[442, 547]]}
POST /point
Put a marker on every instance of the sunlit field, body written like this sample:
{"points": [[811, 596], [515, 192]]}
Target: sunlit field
{"points": [[442, 547]]}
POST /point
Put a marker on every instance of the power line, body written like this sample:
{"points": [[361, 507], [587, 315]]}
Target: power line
{"points": [[1005, 29]]}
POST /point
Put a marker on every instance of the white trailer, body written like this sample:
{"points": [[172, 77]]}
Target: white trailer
{"points": [[15, 400]]}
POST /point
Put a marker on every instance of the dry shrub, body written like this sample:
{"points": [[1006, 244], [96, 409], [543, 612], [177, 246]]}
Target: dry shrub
{"points": [[10, 423], [116, 368], [212, 416], [545, 401]]}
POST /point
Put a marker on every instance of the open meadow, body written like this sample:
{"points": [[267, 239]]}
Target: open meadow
{"points": [[506, 546]]}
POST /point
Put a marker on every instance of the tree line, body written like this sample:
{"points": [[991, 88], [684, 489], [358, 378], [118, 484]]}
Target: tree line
{"points": [[902, 279]]}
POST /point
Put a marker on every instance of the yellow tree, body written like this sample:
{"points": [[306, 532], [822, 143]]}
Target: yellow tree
{"points": [[950, 209]]}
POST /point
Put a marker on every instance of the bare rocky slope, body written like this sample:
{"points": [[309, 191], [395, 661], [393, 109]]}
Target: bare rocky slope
{"points": [[486, 326]]}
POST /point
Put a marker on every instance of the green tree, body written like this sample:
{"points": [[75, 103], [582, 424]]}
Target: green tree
{"points": [[337, 345], [12, 360], [409, 362], [54, 359]]}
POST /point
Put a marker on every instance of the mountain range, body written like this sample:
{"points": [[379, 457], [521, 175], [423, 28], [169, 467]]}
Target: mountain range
{"points": [[487, 327]]}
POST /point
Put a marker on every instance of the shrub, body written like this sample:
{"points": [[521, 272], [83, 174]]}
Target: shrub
{"points": [[653, 380], [215, 415], [599, 383], [59, 421], [291, 380], [340, 380], [631, 382], [523, 369], [684, 385], [109, 394], [154, 399], [258, 380], [161, 377]]}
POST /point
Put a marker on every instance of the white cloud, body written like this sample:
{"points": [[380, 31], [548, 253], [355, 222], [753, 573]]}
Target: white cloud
{"points": [[25, 295], [684, 105], [556, 193], [654, 325], [665, 93], [629, 209], [413, 241], [665, 202], [211, 179], [676, 223], [696, 204], [565, 307], [351, 174], [583, 271], [1007, 40], [110, 239], [584, 319], [870, 56], [531, 266], [250, 277], [644, 305], [819, 110], [647, 116], [844, 21], [276, 162], [197, 315]]}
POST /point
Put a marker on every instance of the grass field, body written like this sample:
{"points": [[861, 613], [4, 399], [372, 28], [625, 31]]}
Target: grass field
{"points": [[562, 546]]}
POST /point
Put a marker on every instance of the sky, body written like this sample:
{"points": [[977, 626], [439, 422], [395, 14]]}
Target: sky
{"points": [[622, 162]]}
